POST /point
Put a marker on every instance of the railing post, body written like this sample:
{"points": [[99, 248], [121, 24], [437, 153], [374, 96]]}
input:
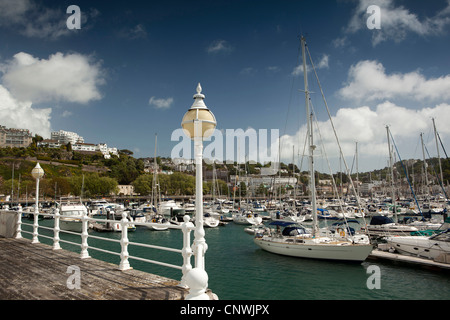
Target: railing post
{"points": [[36, 226], [186, 251], [84, 237], [56, 230], [124, 263], [19, 224], [197, 281]]}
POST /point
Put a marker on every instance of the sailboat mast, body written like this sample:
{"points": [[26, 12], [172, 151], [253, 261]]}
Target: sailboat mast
{"points": [[424, 166], [391, 165], [310, 142], [155, 178], [437, 148]]}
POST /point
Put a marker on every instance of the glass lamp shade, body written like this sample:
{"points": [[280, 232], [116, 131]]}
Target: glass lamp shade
{"points": [[37, 172], [207, 122]]}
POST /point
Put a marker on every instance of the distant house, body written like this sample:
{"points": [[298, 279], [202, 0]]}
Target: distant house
{"points": [[84, 147], [125, 190]]}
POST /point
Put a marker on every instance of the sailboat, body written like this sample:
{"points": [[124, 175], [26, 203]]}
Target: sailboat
{"points": [[296, 241], [157, 220]]}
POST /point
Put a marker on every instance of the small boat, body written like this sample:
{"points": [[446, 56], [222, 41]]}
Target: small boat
{"points": [[247, 217], [287, 215], [211, 219], [158, 223]]}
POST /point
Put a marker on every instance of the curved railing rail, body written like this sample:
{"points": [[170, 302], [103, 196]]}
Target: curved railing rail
{"points": [[186, 252]]}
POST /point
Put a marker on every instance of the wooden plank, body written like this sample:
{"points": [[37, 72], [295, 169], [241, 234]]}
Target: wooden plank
{"points": [[36, 272]]}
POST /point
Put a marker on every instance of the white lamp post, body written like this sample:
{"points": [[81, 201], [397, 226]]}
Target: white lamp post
{"points": [[199, 123], [37, 173]]}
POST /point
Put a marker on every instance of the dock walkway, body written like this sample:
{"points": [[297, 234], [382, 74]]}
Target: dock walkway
{"points": [[36, 272]]}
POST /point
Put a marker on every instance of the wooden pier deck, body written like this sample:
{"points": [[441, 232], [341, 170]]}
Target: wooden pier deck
{"points": [[36, 272]]}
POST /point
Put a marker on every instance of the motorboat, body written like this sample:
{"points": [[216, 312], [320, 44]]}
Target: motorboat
{"points": [[71, 215], [287, 215], [211, 219], [247, 217], [158, 223], [167, 207], [433, 247], [384, 226]]}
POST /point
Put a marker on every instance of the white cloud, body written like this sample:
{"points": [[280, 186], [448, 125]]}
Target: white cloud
{"points": [[32, 19], [161, 103], [322, 64], [219, 46], [71, 77], [368, 127], [21, 115], [368, 81], [137, 32], [397, 21], [67, 114]]}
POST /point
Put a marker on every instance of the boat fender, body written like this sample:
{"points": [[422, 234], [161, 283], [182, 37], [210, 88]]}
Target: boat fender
{"points": [[118, 226], [342, 233]]}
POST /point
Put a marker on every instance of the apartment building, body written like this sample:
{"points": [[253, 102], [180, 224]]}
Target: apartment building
{"points": [[64, 137], [19, 138]]}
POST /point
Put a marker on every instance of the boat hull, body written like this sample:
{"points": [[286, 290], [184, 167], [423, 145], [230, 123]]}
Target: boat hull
{"points": [[419, 246], [71, 225], [351, 252]]}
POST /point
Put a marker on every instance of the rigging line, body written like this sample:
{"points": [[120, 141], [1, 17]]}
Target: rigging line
{"points": [[329, 166], [437, 176], [442, 145], [406, 173], [335, 134]]}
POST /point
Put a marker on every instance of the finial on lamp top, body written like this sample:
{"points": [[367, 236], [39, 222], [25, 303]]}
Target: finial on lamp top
{"points": [[199, 99]]}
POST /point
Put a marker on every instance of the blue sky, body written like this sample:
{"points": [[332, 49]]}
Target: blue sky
{"points": [[131, 70]]}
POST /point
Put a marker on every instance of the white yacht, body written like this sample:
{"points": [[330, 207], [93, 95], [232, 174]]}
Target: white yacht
{"points": [[383, 226], [211, 219], [296, 241], [247, 217], [71, 214], [422, 246]]}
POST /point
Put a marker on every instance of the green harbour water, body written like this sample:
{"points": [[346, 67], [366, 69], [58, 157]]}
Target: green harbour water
{"points": [[240, 270]]}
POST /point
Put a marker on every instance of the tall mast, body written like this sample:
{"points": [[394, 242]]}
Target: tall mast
{"points": [[310, 141], [155, 178], [424, 165], [439, 157], [391, 165]]}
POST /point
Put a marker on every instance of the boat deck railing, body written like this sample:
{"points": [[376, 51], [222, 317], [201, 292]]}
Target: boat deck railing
{"points": [[185, 227]]}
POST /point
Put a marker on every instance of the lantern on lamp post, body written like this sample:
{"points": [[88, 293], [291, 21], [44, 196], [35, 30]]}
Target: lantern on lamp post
{"points": [[37, 173]]}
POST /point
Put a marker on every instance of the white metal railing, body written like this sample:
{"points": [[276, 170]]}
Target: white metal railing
{"points": [[190, 281]]}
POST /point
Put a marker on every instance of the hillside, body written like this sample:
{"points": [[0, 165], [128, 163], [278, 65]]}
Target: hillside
{"points": [[66, 169]]}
